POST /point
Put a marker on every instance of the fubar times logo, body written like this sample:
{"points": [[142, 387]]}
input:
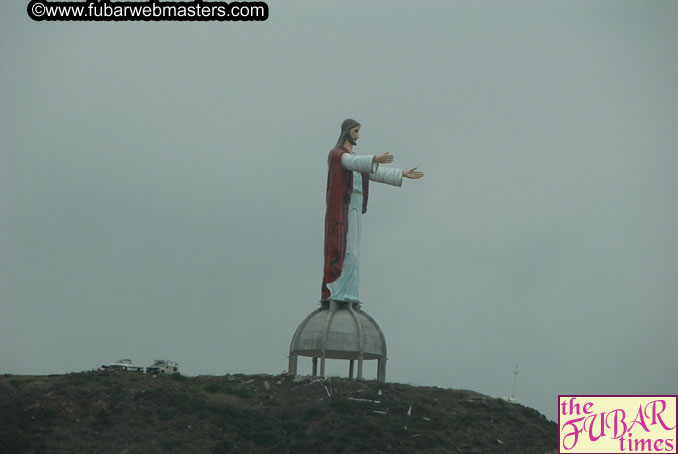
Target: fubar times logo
{"points": [[608, 424]]}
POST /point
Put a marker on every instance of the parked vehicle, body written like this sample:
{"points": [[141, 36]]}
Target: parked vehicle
{"points": [[123, 364], [163, 366]]}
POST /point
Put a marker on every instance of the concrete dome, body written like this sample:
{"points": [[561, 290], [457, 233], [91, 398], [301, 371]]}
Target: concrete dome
{"points": [[342, 333], [339, 330]]}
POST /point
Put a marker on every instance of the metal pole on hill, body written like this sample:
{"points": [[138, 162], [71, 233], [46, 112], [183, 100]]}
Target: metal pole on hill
{"points": [[515, 379]]}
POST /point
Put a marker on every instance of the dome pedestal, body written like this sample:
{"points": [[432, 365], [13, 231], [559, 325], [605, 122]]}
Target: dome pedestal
{"points": [[339, 330]]}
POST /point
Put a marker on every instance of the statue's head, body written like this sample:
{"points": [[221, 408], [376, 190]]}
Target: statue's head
{"points": [[349, 131]]}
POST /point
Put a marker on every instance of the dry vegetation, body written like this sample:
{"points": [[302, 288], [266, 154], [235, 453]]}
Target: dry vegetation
{"points": [[126, 413]]}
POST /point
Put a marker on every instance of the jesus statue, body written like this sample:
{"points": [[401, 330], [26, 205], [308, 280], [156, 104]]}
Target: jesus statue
{"points": [[348, 180]]}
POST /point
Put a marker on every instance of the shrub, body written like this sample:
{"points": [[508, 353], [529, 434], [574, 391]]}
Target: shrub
{"points": [[223, 447], [212, 388]]}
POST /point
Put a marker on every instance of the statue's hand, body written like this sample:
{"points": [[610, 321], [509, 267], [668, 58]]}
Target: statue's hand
{"points": [[384, 158], [413, 174]]}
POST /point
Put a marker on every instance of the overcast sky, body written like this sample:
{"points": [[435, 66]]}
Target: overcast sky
{"points": [[162, 190]]}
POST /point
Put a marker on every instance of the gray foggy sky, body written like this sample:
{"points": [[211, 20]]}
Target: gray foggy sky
{"points": [[162, 190]]}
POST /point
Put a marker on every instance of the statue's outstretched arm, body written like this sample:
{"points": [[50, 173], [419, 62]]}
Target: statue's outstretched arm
{"points": [[393, 176], [362, 164], [388, 175]]}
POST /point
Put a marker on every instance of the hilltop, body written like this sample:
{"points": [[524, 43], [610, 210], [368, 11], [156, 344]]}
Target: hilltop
{"points": [[126, 413]]}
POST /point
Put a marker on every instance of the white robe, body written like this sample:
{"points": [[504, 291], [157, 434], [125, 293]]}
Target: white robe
{"points": [[346, 287]]}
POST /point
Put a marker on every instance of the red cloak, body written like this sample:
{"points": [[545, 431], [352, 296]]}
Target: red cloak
{"points": [[338, 198]]}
